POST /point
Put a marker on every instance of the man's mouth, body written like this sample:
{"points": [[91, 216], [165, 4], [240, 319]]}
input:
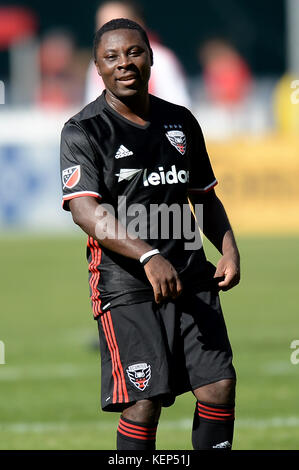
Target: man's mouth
{"points": [[127, 78]]}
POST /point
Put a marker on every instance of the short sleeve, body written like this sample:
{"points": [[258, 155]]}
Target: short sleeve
{"points": [[201, 175], [79, 168]]}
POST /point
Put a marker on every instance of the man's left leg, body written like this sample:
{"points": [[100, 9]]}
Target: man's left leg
{"points": [[138, 425], [208, 362], [213, 424]]}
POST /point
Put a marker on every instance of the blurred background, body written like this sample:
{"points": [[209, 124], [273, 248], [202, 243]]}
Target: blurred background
{"points": [[235, 64]]}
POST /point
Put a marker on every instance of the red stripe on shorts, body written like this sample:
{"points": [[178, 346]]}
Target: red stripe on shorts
{"points": [[118, 361], [96, 255], [120, 394], [115, 373]]}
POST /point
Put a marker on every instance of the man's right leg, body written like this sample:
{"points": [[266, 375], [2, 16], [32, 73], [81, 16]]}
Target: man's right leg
{"points": [[135, 365], [138, 425]]}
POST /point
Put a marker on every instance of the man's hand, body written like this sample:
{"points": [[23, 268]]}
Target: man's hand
{"points": [[229, 267], [99, 224], [163, 278], [217, 229]]}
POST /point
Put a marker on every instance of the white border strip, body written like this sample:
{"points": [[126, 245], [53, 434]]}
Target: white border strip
{"points": [[80, 193], [202, 190]]}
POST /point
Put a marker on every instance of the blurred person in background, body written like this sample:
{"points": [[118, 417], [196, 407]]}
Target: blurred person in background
{"points": [[167, 80], [18, 31], [16, 24], [61, 84], [226, 75]]}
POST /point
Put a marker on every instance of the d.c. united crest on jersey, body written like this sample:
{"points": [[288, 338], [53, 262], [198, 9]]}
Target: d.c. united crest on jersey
{"points": [[139, 375], [71, 176], [176, 137]]}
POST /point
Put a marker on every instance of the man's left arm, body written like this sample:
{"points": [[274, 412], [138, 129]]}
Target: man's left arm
{"points": [[216, 227]]}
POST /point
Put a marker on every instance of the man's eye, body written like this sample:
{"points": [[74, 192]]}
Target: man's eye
{"points": [[135, 52], [110, 57]]}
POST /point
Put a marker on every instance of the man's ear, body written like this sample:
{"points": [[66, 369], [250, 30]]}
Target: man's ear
{"points": [[97, 66], [152, 57]]}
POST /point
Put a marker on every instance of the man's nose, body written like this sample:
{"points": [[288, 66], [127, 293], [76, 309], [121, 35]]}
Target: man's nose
{"points": [[124, 61]]}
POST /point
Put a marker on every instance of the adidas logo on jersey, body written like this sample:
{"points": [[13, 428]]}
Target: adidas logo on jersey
{"points": [[123, 152]]}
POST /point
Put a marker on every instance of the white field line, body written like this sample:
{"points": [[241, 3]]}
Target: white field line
{"points": [[182, 425], [47, 372], [279, 368], [70, 370]]}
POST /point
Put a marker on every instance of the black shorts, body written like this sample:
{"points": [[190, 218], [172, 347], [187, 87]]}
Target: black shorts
{"points": [[149, 350]]}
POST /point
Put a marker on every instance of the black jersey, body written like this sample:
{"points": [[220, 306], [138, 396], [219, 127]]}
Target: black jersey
{"points": [[121, 163]]}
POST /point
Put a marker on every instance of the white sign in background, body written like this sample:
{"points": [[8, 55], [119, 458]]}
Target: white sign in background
{"points": [[30, 187]]}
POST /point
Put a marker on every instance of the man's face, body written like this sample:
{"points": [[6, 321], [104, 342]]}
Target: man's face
{"points": [[124, 62]]}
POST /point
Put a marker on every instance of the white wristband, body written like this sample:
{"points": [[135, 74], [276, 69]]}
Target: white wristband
{"points": [[148, 254]]}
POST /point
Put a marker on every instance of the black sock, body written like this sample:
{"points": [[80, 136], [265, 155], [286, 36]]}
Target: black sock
{"points": [[135, 436], [213, 426]]}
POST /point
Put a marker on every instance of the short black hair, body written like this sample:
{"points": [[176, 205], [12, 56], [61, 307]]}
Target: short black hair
{"points": [[119, 23]]}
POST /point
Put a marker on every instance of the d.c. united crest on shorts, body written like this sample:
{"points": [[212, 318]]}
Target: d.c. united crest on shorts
{"points": [[176, 137], [71, 176], [139, 375]]}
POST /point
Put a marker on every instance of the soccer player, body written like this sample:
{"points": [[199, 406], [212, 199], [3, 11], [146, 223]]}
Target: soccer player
{"points": [[162, 331], [167, 80]]}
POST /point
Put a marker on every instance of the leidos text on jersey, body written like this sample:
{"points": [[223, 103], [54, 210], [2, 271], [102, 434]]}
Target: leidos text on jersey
{"points": [[170, 177]]}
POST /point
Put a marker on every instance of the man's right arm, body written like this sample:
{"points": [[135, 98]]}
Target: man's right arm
{"points": [[95, 220]]}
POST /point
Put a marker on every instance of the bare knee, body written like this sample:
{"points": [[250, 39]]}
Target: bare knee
{"points": [[219, 393], [144, 411]]}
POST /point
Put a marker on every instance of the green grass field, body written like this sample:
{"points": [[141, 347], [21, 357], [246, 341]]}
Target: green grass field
{"points": [[50, 384]]}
